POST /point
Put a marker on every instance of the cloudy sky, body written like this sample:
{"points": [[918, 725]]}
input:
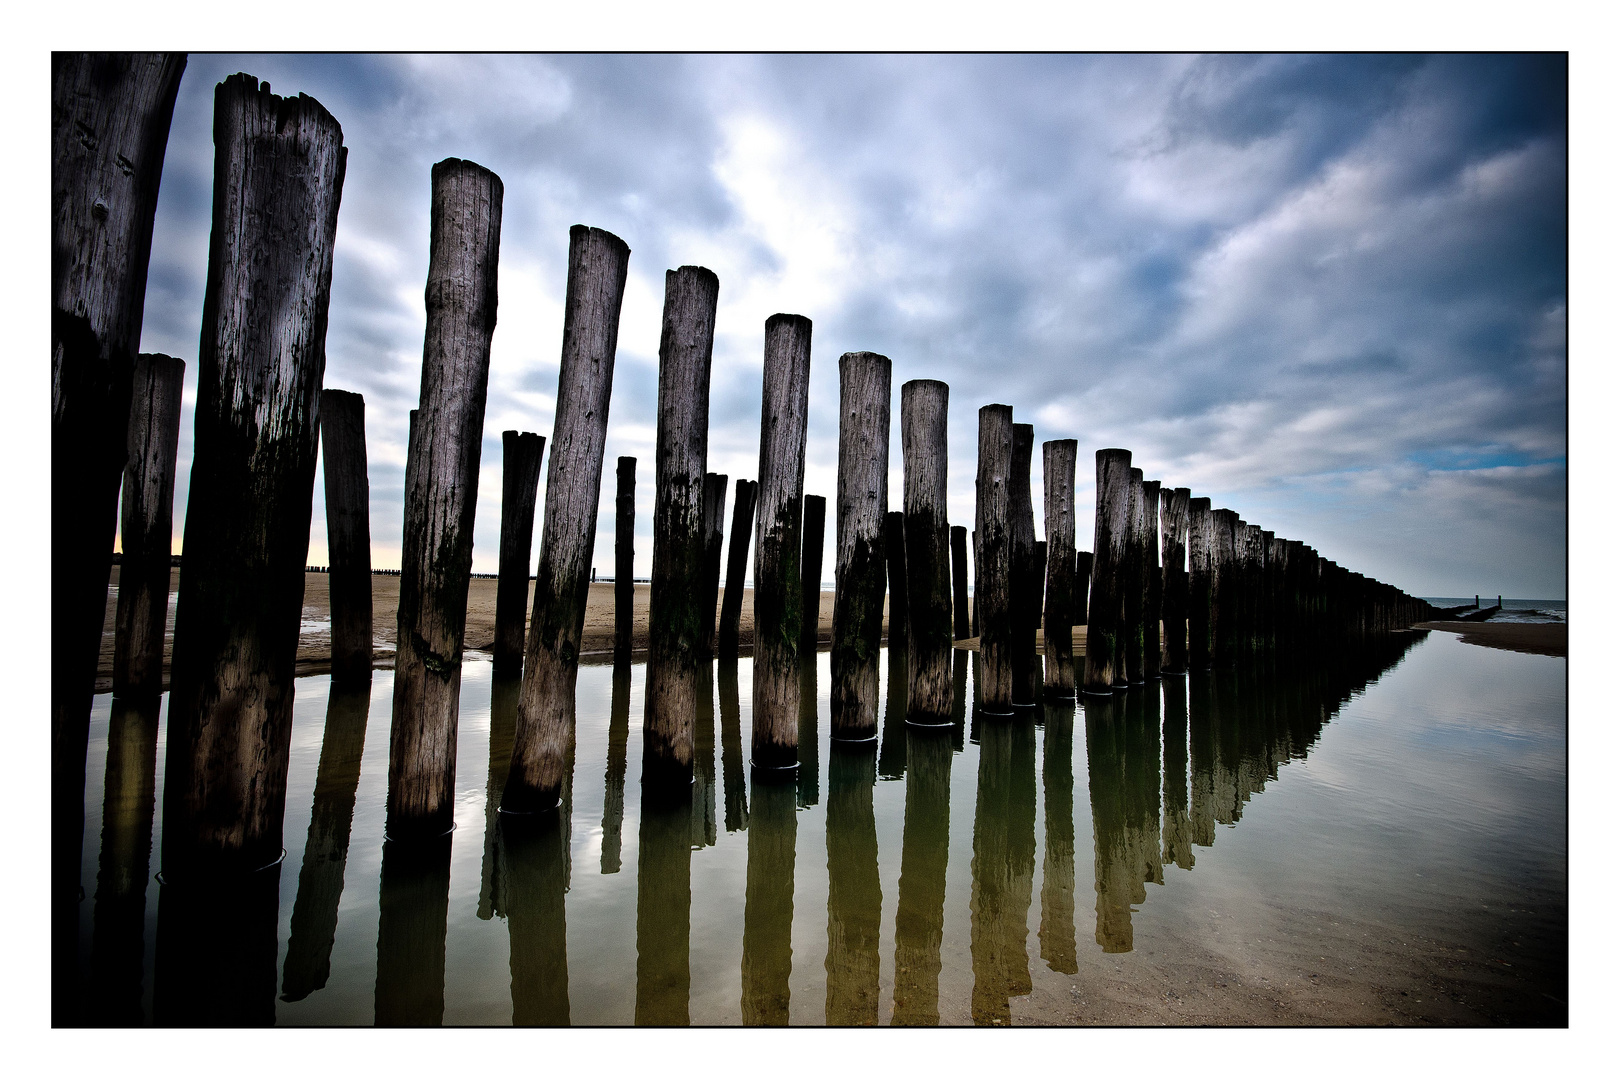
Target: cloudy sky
{"points": [[1328, 292]]}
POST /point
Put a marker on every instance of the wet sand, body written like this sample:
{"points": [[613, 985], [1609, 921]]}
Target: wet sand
{"points": [[1543, 639]]}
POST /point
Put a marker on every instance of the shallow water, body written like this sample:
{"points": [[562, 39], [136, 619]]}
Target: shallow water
{"points": [[1360, 839]]}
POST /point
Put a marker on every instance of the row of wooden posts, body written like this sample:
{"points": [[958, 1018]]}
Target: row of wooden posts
{"points": [[261, 410]]}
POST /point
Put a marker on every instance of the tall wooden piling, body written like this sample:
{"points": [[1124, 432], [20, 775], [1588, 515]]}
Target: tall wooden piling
{"points": [[1224, 587], [348, 533], [675, 618], [894, 555], [1153, 655], [924, 404], [781, 594], [441, 496], [962, 621], [863, 499], [278, 176], [521, 456], [624, 559], [1026, 582], [742, 531], [1104, 629], [992, 600], [148, 521], [1135, 586], [1200, 584], [1173, 515], [714, 537], [815, 528], [1057, 471]]}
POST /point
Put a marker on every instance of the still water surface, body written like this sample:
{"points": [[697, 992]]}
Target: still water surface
{"points": [[1376, 838]]}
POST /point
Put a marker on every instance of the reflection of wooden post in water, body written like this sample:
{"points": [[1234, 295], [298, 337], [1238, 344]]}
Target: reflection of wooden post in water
{"points": [[768, 907], [1104, 632], [703, 820], [411, 920], [624, 559], [116, 959], [894, 558], [992, 561], [521, 454], [734, 774], [919, 921], [1146, 772], [815, 525], [618, 750], [216, 951], [1178, 832], [503, 705], [598, 262], [1026, 582], [863, 499], [892, 758], [110, 116], [927, 535], [148, 519], [959, 700], [809, 778], [1136, 545], [1200, 584], [441, 496], [962, 619], [1112, 870], [714, 526], [278, 173], [1173, 518], [1201, 757], [1057, 870], [664, 907], [326, 852], [854, 895], [780, 592], [534, 879], [348, 534], [742, 530], [1003, 867], [1152, 614], [1057, 465], [675, 615]]}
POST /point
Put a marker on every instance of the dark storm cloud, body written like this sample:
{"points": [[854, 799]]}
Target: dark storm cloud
{"points": [[1327, 291]]}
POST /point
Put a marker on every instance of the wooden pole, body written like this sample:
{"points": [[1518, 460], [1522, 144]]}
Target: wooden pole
{"points": [[1200, 584], [781, 595], [863, 499], [1057, 470], [1136, 586], [624, 559], [521, 455], [1026, 582], [894, 551], [1153, 656], [924, 404], [714, 535], [148, 522], [675, 617], [992, 601], [278, 175], [962, 619], [1223, 588], [815, 525], [1082, 586], [742, 531], [1112, 532], [1173, 546], [348, 533]]}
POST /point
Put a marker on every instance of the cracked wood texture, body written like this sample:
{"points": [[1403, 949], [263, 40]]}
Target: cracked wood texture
{"points": [[675, 617], [1135, 635], [1173, 520], [714, 538], [863, 500], [348, 533], [598, 263], [522, 453], [1058, 457], [624, 557], [783, 602], [963, 626], [441, 495], [742, 532], [1200, 583], [147, 526], [924, 408], [1153, 583], [1104, 629], [993, 559], [278, 177], [814, 540], [1026, 582]]}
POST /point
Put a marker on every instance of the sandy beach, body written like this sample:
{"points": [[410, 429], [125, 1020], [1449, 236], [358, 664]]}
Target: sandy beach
{"points": [[1543, 639]]}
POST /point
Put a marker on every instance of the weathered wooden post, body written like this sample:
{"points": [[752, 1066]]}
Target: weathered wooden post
{"points": [[815, 527], [1057, 465], [714, 536], [782, 597], [894, 557], [1200, 584], [992, 600], [1153, 657], [441, 496], [1112, 532], [1082, 586], [742, 531], [521, 455], [1135, 667], [1173, 547], [278, 176], [1223, 587], [1026, 584], [148, 522], [863, 499], [924, 404], [973, 621], [624, 559], [962, 620], [675, 618], [348, 533]]}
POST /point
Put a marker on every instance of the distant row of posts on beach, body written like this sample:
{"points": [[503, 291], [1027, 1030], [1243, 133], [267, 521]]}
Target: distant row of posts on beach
{"points": [[1221, 588]]}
